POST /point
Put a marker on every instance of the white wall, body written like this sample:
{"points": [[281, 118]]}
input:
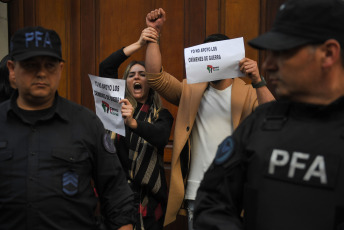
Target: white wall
{"points": [[3, 30]]}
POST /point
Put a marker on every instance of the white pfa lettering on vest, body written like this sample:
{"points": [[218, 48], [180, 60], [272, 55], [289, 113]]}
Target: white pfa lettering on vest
{"points": [[297, 162], [37, 38]]}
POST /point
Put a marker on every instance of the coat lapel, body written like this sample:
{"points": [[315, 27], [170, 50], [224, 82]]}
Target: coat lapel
{"points": [[239, 92]]}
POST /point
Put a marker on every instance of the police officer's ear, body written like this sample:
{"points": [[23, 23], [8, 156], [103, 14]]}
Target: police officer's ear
{"points": [[331, 53], [11, 76], [61, 65], [12, 80], [10, 66]]}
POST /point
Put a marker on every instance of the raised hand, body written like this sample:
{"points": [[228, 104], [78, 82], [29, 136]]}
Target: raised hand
{"points": [[156, 19], [250, 69], [127, 113], [149, 34]]}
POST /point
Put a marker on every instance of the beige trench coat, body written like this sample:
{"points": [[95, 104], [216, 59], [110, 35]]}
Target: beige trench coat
{"points": [[188, 97]]}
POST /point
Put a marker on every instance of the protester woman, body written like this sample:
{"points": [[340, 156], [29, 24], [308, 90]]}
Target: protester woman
{"points": [[148, 127]]}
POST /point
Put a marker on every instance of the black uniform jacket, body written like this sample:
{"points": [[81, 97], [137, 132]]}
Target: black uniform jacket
{"points": [[283, 169], [46, 168]]}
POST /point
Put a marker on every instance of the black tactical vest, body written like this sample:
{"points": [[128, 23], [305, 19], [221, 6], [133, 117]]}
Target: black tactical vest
{"points": [[295, 174]]}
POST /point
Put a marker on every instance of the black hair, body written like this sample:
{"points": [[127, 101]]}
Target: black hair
{"points": [[5, 86], [215, 38]]}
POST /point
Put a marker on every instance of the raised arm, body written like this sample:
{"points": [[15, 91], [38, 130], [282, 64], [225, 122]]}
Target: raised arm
{"points": [[250, 68], [109, 66], [147, 35], [155, 19], [165, 84]]}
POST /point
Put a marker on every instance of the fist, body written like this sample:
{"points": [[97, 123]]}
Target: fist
{"points": [[156, 19]]}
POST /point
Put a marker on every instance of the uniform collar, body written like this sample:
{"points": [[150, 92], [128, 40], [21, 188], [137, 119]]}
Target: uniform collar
{"points": [[314, 110], [59, 108]]}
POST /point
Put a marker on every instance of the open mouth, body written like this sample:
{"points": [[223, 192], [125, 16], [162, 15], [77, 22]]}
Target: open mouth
{"points": [[137, 86]]}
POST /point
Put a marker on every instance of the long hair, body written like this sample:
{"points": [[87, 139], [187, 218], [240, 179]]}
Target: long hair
{"points": [[5, 86], [130, 97]]}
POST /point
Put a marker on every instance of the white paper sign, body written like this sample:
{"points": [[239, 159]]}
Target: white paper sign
{"points": [[214, 60], [107, 93]]}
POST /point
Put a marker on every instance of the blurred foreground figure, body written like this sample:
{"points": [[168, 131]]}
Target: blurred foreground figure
{"points": [[284, 164]]}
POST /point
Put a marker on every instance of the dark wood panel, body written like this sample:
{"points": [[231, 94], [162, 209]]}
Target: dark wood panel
{"points": [[15, 16], [194, 22], [213, 19], [28, 17], [88, 50], [73, 29], [242, 20]]}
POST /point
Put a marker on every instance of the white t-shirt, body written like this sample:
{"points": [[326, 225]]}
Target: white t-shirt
{"points": [[212, 125]]}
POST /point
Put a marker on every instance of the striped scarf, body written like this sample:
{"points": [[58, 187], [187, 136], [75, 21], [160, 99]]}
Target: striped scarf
{"points": [[144, 163], [144, 157]]}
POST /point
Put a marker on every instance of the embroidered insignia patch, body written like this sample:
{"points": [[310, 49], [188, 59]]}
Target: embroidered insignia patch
{"points": [[224, 151], [108, 143], [70, 181]]}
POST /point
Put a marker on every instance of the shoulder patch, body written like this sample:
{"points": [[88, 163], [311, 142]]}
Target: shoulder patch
{"points": [[224, 151], [108, 143]]}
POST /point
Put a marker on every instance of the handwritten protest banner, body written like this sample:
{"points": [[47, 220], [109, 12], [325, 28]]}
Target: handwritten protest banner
{"points": [[214, 60], [107, 93]]}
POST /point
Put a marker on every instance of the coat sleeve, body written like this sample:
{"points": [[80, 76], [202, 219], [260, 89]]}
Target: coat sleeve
{"points": [[166, 85], [109, 66], [158, 132]]}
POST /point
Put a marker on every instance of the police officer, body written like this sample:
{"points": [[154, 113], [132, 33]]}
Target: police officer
{"points": [[283, 167], [51, 149]]}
